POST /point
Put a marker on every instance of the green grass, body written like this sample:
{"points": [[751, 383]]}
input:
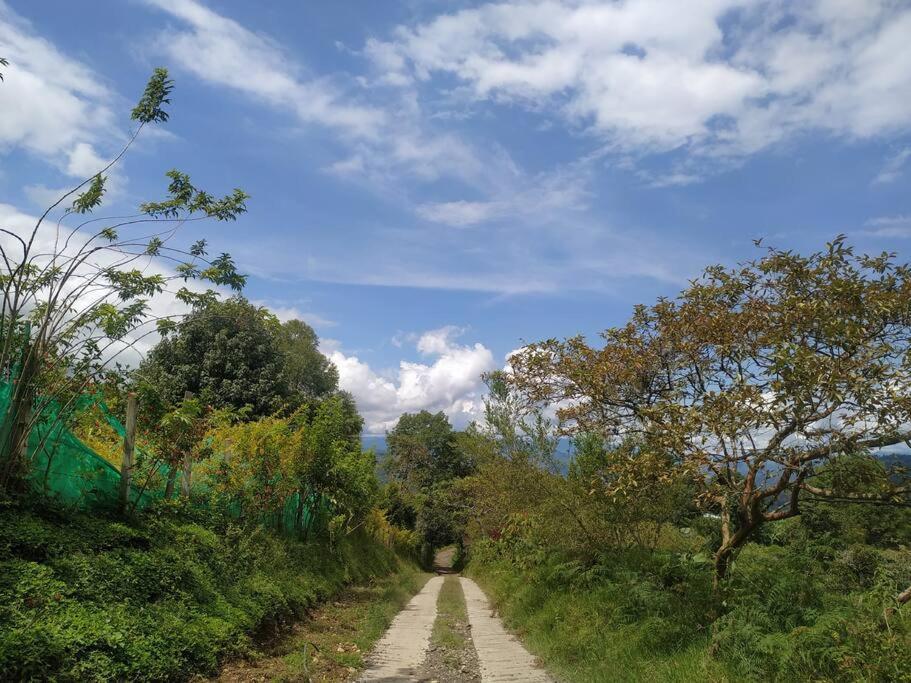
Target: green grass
{"points": [[89, 598], [451, 611], [575, 632], [338, 636], [799, 611]]}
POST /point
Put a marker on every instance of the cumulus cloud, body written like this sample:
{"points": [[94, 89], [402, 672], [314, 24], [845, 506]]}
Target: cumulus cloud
{"points": [[54, 107], [721, 76], [450, 381]]}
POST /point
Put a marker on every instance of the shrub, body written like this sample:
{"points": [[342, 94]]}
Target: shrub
{"points": [[92, 599]]}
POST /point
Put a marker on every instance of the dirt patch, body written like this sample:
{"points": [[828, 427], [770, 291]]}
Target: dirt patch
{"points": [[444, 559], [330, 645]]}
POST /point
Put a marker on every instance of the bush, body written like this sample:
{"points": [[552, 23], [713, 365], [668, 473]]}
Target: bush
{"points": [[795, 609], [85, 598]]}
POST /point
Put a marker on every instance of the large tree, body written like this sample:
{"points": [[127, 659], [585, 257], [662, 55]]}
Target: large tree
{"points": [[227, 353], [307, 371], [423, 451], [750, 382], [426, 464]]}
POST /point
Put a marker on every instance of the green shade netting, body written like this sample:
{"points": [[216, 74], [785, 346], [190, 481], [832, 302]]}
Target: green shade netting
{"points": [[62, 467]]}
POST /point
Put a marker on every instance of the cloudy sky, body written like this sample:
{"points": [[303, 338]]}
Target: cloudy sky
{"points": [[435, 183]]}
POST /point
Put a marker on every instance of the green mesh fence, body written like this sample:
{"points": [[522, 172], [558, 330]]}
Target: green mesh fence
{"points": [[62, 467]]}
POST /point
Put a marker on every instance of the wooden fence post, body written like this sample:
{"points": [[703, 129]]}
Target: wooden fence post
{"points": [[129, 444], [185, 479]]}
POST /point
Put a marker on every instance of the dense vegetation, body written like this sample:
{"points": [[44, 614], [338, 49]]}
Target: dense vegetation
{"points": [[95, 598], [727, 512], [249, 498]]}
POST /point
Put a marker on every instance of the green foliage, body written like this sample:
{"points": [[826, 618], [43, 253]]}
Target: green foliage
{"points": [[308, 372], [91, 198], [232, 354], [157, 93], [630, 617], [84, 308], [427, 464], [187, 198], [423, 451], [315, 455], [807, 351], [226, 353], [800, 606], [796, 616], [84, 598]]}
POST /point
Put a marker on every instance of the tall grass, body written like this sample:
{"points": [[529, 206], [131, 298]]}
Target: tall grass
{"points": [[789, 612]]}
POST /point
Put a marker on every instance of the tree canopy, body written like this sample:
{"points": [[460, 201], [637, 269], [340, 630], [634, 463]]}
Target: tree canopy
{"points": [[307, 372], [225, 352], [749, 382], [423, 450]]}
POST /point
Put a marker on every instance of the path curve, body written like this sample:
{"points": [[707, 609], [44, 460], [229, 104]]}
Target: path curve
{"points": [[502, 657], [401, 651]]}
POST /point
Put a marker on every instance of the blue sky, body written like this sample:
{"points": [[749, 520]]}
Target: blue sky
{"points": [[434, 183]]}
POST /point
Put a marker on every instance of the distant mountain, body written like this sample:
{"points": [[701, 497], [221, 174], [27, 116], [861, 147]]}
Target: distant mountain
{"points": [[377, 443], [892, 458], [564, 453]]}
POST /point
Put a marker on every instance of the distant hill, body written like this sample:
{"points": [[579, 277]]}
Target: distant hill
{"points": [[565, 452], [380, 447], [377, 443]]}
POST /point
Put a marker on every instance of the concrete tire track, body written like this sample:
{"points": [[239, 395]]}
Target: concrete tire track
{"points": [[502, 657], [400, 652]]}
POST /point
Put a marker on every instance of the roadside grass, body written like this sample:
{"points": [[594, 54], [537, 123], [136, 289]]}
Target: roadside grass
{"points": [[332, 643], [573, 633], [85, 597], [451, 611]]}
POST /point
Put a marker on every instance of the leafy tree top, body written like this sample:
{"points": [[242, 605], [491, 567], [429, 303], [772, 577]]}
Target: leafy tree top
{"points": [[751, 380], [423, 450]]}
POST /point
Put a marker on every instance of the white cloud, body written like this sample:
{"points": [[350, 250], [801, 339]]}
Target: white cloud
{"points": [[894, 167], [718, 76], [221, 51], [49, 241], [889, 226], [460, 213], [385, 140], [285, 313], [82, 162], [54, 107], [451, 383]]}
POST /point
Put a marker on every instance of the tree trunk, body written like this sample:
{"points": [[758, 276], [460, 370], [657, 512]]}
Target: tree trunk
{"points": [[172, 479], [18, 417], [731, 542], [722, 564], [300, 510], [129, 443]]}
